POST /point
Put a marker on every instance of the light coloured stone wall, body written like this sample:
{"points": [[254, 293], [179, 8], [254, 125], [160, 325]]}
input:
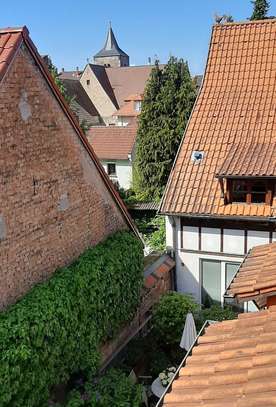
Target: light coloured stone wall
{"points": [[98, 96], [113, 62]]}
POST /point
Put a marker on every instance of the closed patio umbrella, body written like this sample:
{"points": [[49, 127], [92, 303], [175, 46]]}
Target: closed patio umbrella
{"points": [[189, 332]]}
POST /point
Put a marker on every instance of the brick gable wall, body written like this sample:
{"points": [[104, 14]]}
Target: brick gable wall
{"points": [[53, 202]]}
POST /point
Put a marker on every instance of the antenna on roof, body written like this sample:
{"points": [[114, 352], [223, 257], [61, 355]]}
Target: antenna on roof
{"points": [[218, 19], [156, 60]]}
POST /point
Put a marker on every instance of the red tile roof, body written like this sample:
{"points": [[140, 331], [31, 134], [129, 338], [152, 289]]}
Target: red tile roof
{"points": [[256, 277], [10, 39], [128, 80], [10, 42], [137, 96], [250, 160], [127, 110], [112, 142], [232, 366], [236, 105]]}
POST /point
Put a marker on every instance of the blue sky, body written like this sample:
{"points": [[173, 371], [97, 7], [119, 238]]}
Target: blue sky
{"points": [[72, 31]]}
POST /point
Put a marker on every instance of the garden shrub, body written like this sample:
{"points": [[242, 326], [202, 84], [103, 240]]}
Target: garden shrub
{"points": [[215, 313], [56, 329], [114, 389], [170, 315]]}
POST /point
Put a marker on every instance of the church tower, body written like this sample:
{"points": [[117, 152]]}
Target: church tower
{"points": [[111, 55]]}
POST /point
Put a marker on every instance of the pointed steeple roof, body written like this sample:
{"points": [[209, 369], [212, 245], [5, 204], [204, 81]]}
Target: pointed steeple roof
{"points": [[111, 47]]}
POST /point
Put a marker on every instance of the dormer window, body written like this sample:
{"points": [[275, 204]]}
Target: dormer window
{"points": [[250, 191], [248, 173], [138, 105]]}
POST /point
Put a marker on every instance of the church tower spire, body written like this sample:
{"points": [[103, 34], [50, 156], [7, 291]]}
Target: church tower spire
{"points": [[111, 54]]}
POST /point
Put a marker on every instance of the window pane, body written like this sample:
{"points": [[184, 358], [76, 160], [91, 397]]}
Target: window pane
{"points": [[111, 169], [230, 271], [258, 192], [211, 282], [239, 191]]}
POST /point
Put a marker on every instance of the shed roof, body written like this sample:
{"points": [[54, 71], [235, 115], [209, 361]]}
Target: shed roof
{"points": [[236, 105]]}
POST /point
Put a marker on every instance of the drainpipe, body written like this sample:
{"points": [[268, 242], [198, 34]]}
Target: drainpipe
{"points": [[174, 248]]}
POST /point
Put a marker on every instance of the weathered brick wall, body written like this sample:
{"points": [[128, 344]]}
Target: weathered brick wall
{"points": [[53, 203]]}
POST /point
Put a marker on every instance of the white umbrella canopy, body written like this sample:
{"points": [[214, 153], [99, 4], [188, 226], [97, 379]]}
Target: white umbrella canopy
{"points": [[189, 332]]}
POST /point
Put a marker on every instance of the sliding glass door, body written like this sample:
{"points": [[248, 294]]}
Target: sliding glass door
{"points": [[215, 278], [210, 282]]}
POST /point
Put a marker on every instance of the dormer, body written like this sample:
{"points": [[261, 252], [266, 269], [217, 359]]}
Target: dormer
{"points": [[248, 174]]}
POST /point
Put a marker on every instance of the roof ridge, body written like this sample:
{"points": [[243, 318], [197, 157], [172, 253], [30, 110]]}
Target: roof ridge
{"points": [[245, 22], [8, 30]]}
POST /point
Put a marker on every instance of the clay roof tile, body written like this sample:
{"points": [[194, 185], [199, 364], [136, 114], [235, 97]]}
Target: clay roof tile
{"points": [[216, 375], [233, 122]]}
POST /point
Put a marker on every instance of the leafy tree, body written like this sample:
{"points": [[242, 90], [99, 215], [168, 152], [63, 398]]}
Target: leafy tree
{"points": [[170, 314], [168, 101], [261, 8], [85, 126], [54, 72]]}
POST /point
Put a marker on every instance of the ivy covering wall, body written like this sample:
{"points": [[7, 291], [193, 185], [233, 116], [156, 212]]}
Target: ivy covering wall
{"points": [[56, 329]]}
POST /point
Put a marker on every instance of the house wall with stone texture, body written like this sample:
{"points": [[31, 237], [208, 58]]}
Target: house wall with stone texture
{"points": [[54, 203], [114, 62], [98, 96]]}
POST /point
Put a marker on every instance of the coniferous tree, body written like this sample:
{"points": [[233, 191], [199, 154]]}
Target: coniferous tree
{"points": [[261, 8], [168, 101]]}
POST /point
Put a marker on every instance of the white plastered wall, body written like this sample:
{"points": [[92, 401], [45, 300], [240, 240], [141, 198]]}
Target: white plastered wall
{"points": [[188, 259], [123, 172]]}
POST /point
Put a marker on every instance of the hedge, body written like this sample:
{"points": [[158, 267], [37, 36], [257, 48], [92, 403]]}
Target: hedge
{"points": [[56, 329]]}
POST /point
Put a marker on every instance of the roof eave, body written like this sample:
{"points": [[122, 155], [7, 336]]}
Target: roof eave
{"points": [[226, 176], [271, 219]]}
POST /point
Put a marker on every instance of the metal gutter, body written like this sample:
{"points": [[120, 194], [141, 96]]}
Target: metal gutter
{"points": [[182, 364], [237, 218]]}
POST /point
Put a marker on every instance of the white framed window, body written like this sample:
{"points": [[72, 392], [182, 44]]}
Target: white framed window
{"points": [[138, 105], [111, 169]]}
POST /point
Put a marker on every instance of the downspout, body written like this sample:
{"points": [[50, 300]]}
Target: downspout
{"points": [[174, 249]]}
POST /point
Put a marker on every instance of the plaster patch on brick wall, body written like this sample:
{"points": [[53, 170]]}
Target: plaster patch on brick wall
{"points": [[63, 203], [3, 228], [24, 107]]}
